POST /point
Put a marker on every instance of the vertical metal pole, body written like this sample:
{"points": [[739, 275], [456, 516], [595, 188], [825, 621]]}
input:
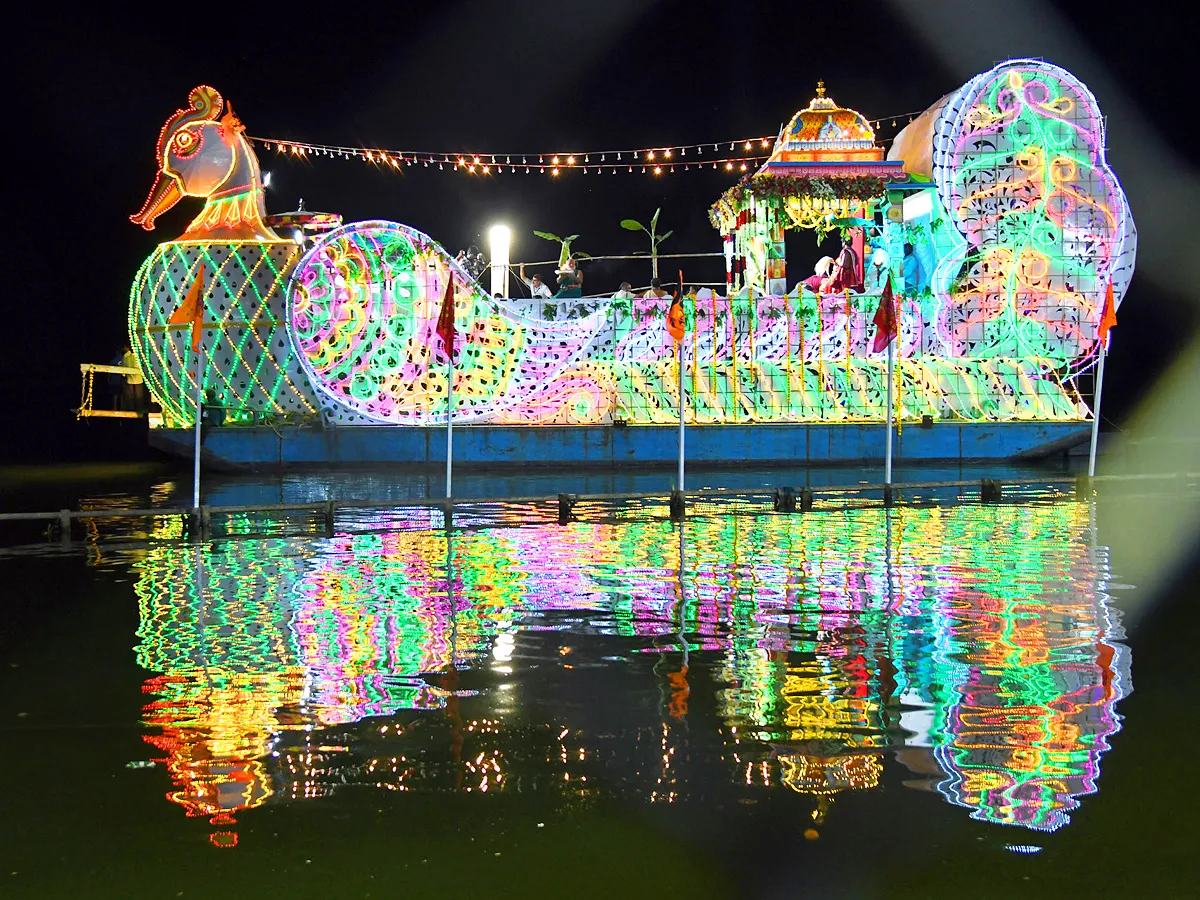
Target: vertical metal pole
{"points": [[196, 453], [887, 465], [1096, 413], [733, 353], [449, 417], [681, 345], [450, 596]]}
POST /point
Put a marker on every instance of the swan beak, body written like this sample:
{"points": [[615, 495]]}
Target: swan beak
{"points": [[163, 196]]}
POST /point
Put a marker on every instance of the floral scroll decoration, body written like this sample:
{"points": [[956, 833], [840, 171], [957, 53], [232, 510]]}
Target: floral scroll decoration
{"points": [[363, 305]]}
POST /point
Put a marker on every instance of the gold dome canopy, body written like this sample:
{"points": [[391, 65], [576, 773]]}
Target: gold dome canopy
{"points": [[826, 132]]}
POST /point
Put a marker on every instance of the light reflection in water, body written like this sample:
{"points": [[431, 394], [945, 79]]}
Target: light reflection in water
{"points": [[975, 644]]}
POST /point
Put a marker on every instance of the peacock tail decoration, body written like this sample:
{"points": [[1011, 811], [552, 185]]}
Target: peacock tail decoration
{"points": [[1041, 223]]}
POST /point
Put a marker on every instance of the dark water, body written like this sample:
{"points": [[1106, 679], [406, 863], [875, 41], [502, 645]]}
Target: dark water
{"points": [[935, 701]]}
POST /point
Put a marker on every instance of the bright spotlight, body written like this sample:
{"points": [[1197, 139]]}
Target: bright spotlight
{"points": [[499, 240]]}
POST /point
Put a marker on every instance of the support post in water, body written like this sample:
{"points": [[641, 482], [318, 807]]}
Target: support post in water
{"points": [[566, 504], [785, 499], [1083, 486]]}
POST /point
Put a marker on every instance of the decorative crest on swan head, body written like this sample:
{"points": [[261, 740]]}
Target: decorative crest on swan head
{"points": [[203, 152]]}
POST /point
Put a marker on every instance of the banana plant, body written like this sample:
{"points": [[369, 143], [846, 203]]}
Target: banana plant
{"points": [[565, 253], [655, 238]]}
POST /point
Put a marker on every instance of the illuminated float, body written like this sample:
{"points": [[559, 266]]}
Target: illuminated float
{"points": [[997, 204]]}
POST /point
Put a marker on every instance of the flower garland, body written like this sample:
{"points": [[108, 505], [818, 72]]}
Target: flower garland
{"points": [[777, 189]]}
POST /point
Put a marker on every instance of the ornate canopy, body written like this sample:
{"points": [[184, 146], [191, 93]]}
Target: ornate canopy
{"points": [[825, 165]]}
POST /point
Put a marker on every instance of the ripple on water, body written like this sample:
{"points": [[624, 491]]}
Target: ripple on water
{"points": [[973, 647]]}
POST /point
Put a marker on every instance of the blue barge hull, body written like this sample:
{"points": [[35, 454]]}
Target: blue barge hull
{"points": [[607, 446]]}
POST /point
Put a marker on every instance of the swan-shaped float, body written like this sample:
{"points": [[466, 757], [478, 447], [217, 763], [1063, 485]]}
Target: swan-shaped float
{"points": [[246, 359], [343, 328]]}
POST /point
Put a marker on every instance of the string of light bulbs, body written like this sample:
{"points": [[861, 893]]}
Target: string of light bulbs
{"points": [[479, 164], [648, 160], [656, 160]]}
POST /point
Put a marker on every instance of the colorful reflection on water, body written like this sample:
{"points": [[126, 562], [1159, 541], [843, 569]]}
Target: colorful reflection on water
{"points": [[972, 648]]}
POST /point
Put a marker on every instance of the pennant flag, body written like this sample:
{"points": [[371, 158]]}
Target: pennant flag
{"points": [[885, 319], [676, 319], [191, 310], [445, 322], [1108, 318]]}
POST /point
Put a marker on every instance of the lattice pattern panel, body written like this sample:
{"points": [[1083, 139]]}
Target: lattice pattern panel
{"points": [[248, 361]]}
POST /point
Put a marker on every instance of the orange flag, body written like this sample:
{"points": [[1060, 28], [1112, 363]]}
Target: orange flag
{"points": [[445, 322], [885, 318], [191, 310], [1108, 318], [676, 320]]}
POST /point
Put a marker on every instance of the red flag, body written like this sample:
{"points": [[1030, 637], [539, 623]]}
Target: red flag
{"points": [[191, 310], [1108, 318], [445, 322], [885, 318]]}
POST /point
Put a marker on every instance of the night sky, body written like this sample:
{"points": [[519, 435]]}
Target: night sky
{"points": [[92, 90]]}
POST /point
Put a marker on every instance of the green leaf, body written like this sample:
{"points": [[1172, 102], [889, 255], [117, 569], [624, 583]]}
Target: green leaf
{"points": [[654, 221], [547, 236], [662, 237], [632, 225], [569, 238]]}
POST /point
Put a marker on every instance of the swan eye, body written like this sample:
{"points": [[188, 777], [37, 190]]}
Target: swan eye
{"points": [[186, 143]]}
